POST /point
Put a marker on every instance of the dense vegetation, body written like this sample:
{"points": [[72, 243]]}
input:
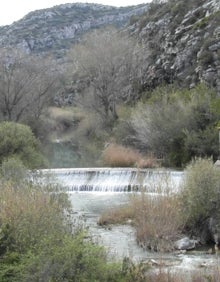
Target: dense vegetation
{"points": [[161, 220], [177, 125], [18, 141], [94, 108], [39, 238], [41, 241], [97, 95]]}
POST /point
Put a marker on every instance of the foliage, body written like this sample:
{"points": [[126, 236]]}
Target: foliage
{"points": [[12, 169], [73, 259], [178, 124], [200, 192], [28, 215], [157, 220], [39, 242], [18, 141], [123, 130]]}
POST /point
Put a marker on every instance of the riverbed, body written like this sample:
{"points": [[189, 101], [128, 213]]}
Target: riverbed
{"points": [[93, 190], [120, 240]]}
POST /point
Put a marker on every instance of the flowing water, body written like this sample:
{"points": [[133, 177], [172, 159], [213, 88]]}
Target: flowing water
{"points": [[92, 191], [115, 179]]}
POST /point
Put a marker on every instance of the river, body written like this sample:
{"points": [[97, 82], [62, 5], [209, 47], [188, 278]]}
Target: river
{"points": [[92, 191]]}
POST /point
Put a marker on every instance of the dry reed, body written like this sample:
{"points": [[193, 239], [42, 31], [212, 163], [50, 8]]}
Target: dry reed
{"points": [[119, 156]]}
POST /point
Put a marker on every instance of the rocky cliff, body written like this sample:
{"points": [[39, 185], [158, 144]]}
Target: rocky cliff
{"points": [[181, 39], [181, 42], [57, 28]]}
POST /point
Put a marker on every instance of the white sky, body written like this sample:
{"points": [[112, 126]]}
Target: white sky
{"points": [[13, 10]]}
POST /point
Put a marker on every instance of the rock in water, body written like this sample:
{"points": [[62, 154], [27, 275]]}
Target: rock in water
{"points": [[185, 244]]}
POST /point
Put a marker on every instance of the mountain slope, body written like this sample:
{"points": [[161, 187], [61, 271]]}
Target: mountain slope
{"points": [[54, 29], [181, 40]]}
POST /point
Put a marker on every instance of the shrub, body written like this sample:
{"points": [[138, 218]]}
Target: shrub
{"points": [[117, 215], [157, 221], [12, 169], [73, 259], [39, 243], [27, 216], [18, 141], [120, 156], [200, 192], [177, 125]]}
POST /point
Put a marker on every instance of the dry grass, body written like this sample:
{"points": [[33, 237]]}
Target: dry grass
{"points": [[165, 276], [118, 215], [61, 122], [28, 215], [157, 220], [60, 113], [119, 156]]}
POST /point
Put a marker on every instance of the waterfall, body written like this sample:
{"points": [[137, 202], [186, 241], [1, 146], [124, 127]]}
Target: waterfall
{"points": [[115, 179]]}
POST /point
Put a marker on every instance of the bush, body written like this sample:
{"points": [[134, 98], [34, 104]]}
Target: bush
{"points": [[120, 156], [12, 169], [27, 216], [157, 221], [18, 141], [177, 125], [73, 259], [200, 193], [38, 241], [117, 215]]}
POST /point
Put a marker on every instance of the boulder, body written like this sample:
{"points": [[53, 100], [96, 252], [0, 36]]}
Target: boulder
{"points": [[185, 244]]}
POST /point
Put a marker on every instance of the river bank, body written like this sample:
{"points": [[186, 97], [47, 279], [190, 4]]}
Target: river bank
{"points": [[120, 240]]}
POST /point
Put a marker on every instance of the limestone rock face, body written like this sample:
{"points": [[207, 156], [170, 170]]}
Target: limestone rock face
{"points": [[180, 39], [55, 29], [182, 43]]}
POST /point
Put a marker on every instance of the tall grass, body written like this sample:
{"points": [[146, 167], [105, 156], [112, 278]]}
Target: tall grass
{"points": [[156, 217], [27, 216], [118, 215], [119, 156], [157, 221], [39, 243]]}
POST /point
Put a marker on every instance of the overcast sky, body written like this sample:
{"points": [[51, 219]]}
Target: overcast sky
{"points": [[13, 10]]}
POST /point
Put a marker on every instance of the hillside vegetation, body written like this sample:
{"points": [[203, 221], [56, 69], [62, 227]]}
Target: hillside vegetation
{"points": [[151, 87], [144, 95]]}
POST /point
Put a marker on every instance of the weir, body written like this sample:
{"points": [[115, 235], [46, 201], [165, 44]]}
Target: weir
{"points": [[115, 179]]}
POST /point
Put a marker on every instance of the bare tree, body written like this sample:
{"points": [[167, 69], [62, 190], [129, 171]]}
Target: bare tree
{"points": [[103, 65], [26, 85]]}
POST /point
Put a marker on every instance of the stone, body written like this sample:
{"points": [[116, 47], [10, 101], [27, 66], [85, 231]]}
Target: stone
{"points": [[185, 244]]}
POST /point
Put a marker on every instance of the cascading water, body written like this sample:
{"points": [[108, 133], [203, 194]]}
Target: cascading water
{"points": [[115, 179]]}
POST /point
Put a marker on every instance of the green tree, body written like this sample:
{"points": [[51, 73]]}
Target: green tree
{"points": [[17, 140]]}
